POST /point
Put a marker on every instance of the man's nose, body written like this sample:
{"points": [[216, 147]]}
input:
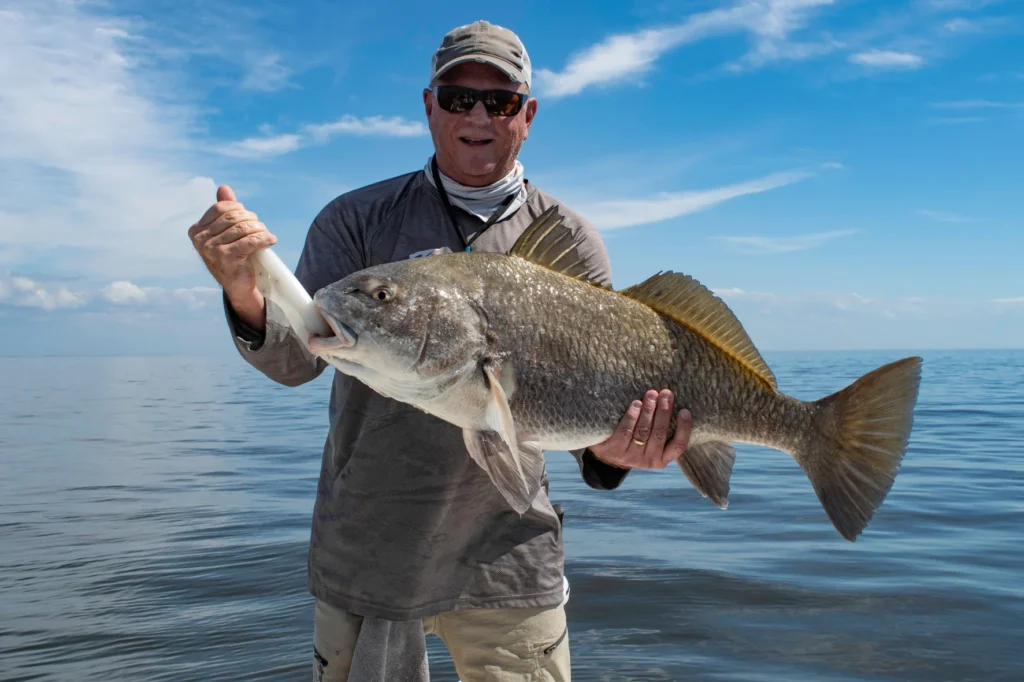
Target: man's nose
{"points": [[478, 114]]}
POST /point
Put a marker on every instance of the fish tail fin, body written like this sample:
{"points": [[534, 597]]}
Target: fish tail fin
{"points": [[858, 441]]}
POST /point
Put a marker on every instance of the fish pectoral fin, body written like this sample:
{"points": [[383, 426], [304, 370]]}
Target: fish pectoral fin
{"points": [[516, 473], [498, 414], [709, 467]]}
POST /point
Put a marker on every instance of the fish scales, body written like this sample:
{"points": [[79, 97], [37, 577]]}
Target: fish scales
{"points": [[582, 353]]}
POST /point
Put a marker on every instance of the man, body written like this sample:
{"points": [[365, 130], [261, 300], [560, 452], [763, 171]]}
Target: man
{"points": [[406, 528]]}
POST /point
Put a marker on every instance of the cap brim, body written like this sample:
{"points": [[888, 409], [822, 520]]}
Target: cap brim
{"points": [[500, 64]]}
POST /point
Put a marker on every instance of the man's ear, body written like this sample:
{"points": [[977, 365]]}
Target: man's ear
{"points": [[531, 111], [428, 101]]}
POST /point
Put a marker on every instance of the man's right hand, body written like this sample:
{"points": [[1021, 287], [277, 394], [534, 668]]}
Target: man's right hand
{"points": [[225, 237]]}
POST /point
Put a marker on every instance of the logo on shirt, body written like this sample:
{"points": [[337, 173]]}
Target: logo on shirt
{"points": [[430, 252]]}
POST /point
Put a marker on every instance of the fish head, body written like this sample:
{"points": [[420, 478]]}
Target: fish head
{"points": [[408, 329]]}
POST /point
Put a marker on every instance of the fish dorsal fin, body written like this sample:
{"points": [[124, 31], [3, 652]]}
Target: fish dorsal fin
{"points": [[549, 243], [691, 304]]}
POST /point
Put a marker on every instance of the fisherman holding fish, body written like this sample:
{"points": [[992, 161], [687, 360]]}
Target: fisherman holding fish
{"points": [[409, 535]]}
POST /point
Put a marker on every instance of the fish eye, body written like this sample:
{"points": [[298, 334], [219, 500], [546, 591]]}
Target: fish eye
{"points": [[382, 294]]}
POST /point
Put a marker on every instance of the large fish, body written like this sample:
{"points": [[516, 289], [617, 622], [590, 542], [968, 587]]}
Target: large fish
{"points": [[525, 354]]}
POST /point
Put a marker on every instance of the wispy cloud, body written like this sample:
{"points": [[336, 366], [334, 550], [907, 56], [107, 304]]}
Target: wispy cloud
{"points": [[615, 214], [394, 126], [32, 292], [956, 5], [944, 217], [125, 293], [771, 245], [92, 145], [266, 73], [320, 133], [28, 293], [961, 25], [1019, 300], [255, 147], [840, 305], [626, 56], [978, 104], [956, 120], [887, 59]]}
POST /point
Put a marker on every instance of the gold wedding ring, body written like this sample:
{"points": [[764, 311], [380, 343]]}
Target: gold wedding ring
{"points": [[641, 443]]}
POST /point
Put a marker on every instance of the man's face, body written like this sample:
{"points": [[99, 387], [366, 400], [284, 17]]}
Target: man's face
{"points": [[476, 148]]}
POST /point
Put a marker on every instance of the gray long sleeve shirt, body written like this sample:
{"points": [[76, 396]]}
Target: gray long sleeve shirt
{"points": [[405, 524]]}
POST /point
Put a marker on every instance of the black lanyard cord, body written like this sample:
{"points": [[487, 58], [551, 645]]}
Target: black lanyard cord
{"points": [[466, 243]]}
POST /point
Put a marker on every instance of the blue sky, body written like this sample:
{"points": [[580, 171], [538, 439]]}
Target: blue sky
{"points": [[845, 174]]}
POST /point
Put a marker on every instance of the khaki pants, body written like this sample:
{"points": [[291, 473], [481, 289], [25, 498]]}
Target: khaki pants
{"points": [[486, 645]]}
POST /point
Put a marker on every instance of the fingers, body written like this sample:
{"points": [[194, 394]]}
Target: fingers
{"points": [[235, 233], [684, 425], [642, 430], [213, 213], [233, 226], [225, 193], [242, 248], [624, 431], [222, 223], [659, 431]]}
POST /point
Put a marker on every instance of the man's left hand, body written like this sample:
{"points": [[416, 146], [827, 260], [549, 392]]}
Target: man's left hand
{"points": [[639, 439]]}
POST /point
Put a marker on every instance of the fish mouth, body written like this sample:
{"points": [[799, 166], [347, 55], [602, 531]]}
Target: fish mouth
{"points": [[344, 336]]}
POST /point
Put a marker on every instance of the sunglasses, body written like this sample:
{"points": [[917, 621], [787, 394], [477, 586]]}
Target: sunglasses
{"points": [[456, 99]]}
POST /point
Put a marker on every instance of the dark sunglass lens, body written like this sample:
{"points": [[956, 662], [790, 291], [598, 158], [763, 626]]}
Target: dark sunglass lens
{"points": [[502, 102], [454, 99]]}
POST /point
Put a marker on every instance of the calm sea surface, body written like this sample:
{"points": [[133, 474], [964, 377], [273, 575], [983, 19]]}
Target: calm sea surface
{"points": [[154, 516]]}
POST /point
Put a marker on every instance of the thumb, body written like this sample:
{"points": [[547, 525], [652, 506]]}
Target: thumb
{"points": [[225, 193]]}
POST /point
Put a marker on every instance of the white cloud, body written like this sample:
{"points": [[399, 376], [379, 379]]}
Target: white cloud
{"points": [[838, 305], [978, 104], [961, 25], [319, 133], [944, 217], [614, 214], [759, 244], [266, 73], [124, 293], [92, 139], [256, 147], [25, 292], [887, 59], [395, 126], [1009, 301], [956, 5], [624, 56], [957, 120], [29, 292]]}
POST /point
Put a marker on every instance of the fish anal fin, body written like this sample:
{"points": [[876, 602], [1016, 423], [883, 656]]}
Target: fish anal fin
{"points": [[549, 243], [688, 302], [708, 466]]}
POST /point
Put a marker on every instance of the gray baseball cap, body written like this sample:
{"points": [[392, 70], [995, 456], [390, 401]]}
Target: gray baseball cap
{"points": [[483, 42]]}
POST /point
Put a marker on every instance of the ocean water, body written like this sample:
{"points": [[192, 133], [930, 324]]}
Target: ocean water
{"points": [[154, 518]]}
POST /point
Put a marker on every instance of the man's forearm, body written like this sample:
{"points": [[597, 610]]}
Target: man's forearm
{"points": [[250, 307]]}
